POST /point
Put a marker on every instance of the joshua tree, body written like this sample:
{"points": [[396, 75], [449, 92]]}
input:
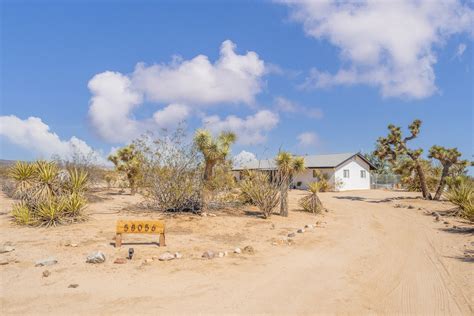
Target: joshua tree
{"points": [[128, 160], [287, 167], [214, 150], [394, 146], [448, 157]]}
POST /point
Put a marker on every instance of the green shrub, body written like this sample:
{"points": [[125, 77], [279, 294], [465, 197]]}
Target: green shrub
{"points": [[49, 196], [461, 193]]}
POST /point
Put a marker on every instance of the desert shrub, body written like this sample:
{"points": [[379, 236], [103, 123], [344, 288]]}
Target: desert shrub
{"points": [[461, 193], [311, 202], [129, 161], [172, 177], [48, 195], [323, 181], [260, 190]]}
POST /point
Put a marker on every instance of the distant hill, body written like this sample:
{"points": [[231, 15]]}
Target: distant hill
{"points": [[5, 162]]}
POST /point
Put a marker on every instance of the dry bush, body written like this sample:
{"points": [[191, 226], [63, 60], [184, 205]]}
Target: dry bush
{"points": [[172, 177], [48, 195], [311, 202], [261, 190], [461, 193]]}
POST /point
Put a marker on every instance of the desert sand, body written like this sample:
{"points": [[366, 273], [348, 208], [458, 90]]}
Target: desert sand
{"points": [[369, 254]]}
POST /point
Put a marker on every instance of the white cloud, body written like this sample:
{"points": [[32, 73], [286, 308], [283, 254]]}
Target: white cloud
{"points": [[244, 158], [171, 115], [460, 50], [33, 134], [284, 105], [250, 130], [386, 44], [197, 82], [307, 139], [232, 78]]}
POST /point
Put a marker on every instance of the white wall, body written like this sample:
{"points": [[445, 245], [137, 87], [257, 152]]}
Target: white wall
{"points": [[354, 182], [306, 177]]}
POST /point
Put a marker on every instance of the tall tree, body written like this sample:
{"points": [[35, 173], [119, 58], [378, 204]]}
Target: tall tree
{"points": [[394, 145], [214, 150], [448, 157], [128, 160], [287, 166]]}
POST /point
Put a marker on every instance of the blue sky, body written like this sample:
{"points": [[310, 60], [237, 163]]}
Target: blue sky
{"points": [[315, 80]]}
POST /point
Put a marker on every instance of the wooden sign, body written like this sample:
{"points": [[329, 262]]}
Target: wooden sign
{"points": [[139, 227]]}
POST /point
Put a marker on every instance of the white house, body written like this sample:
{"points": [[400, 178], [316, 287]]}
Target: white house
{"points": [[349, 171]]}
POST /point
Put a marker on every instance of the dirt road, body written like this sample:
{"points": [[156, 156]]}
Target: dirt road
{"points": [[368, 257]]}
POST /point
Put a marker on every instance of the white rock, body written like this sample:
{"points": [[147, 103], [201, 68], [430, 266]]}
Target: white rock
{"points": [[96, 257], [6, 248], [309, 226], [178, 255], [301, 230], [46, 262], [221, 254], [208, 254], [237, 250], [166, 256]]}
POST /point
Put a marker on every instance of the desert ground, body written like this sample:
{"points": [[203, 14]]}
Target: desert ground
{"points": [[372, 252]]}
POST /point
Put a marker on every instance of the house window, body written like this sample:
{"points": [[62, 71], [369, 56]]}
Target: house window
{"points": [[346, 173], [363, 174]]}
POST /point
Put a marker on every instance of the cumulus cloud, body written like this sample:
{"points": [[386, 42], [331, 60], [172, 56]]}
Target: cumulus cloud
{"points": [[282, 104], [244, 158], [307, 139], [171, 115], [386, 44], [33, 134], [232, 78], [251, 130]]}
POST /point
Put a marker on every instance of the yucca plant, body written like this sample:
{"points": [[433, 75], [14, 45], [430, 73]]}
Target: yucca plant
{"points": [[22, 214], [461, 193], [47, 183], [77, 182], [51, 212], [288, 166], [23, 173], [74, 206], [311, 202]]}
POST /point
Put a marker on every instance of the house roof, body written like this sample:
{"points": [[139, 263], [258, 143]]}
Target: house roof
{"points": [[311, 161]]}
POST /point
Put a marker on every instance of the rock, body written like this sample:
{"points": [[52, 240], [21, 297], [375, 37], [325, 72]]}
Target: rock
{"points": [[300, 231], [411, 207], [96, 257], [237, 250], [4, 262], [166, 256], [211, 215], [178, 255], [208, 254], [291, 235], [149, 260], [204, 214], [46, 273], [6, 248], [46, 262], [221, 254], [73, 286], [420, 208], [437, 218], [309, 226], [120, 261], [67, 243], [446, 222], [226, 253], [249, 250], [73, 245]]}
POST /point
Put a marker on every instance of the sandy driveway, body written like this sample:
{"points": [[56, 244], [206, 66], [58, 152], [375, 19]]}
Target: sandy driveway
{"points": [[368, 257]]}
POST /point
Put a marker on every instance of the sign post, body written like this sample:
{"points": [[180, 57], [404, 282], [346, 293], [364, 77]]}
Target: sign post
{"points": [[140, 227]]}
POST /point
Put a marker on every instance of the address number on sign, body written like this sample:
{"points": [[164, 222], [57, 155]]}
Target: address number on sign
{"points": [[140, 227]]}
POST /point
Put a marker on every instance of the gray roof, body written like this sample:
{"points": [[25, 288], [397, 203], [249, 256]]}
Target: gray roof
{"points": [[311, 161]]}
